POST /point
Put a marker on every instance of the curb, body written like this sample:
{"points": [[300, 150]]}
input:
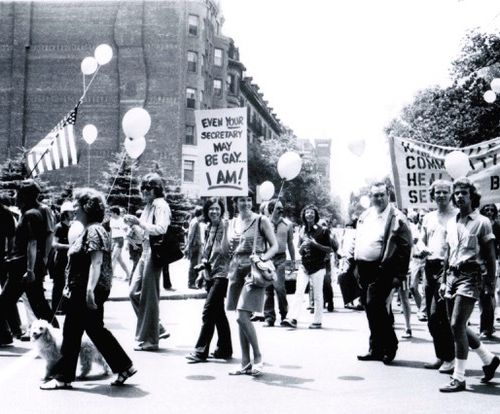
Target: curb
{"points": [[174, 296]]}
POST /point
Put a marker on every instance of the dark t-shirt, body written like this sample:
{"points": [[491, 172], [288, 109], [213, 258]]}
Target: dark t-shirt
{"points": [[313, 259], [30, 227], [7, 229]]}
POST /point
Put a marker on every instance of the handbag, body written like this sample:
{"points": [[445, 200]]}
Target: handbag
{"points": [[262, 273], [165, 248]]}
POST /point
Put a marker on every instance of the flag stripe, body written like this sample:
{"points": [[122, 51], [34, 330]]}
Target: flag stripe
{"points": [[57, 149]]}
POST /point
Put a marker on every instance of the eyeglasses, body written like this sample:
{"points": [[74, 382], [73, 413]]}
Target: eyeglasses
{"points": [[489, 209], [146, 187]]}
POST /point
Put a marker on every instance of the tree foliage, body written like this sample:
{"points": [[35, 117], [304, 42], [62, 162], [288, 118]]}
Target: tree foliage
{"points": [[120, 183], [457, 115], [307, 188]]}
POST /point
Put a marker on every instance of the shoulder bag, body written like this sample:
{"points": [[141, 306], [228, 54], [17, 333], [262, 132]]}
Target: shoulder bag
{"points": [[262, 273]]}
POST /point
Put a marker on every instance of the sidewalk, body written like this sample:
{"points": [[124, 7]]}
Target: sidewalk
{"points": [[178, 277]]}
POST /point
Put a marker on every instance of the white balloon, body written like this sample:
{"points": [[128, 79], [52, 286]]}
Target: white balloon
{"points": [[75, 229], [89, 133], [135, 147], [103, 54], [495, 85], [457, 164], [289, 165], [364, 201], [136, 122], [357, 146], [489, 96], [89, 65], [266, 190]]}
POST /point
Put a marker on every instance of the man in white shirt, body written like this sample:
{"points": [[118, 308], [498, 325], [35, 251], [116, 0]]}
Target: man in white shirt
{"points": [[381, 254]]}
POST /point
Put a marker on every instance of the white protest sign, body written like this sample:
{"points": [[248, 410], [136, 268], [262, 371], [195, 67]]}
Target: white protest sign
{"points": [[222, 145], [416, 165]]}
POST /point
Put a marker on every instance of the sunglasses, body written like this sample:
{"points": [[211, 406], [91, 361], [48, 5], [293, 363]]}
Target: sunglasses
{"points": [[491, 210], [146, 187]]}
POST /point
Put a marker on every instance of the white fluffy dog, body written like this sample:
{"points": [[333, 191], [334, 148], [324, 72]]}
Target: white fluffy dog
{"points": [[48, 341]]}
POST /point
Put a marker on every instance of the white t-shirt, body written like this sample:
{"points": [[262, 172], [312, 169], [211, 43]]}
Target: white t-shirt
{"points": [[118, 227]]}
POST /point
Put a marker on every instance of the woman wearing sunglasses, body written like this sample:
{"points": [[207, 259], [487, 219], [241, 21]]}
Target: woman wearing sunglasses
{"points": [[145, 284]]}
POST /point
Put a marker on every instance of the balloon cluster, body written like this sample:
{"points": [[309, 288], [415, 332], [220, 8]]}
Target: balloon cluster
{"points": [[490, 96], [135, 124], [102, 55]]}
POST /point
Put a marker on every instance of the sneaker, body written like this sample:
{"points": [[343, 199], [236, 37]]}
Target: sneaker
{"points": [[257, 318], [195, 358], [447, 367], [489, 370], [454, 386], [315, 326], [407, 334], [268, 323], [291, 323]]}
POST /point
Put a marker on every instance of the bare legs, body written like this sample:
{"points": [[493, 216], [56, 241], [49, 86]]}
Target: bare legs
{"points": [[248, 338]]}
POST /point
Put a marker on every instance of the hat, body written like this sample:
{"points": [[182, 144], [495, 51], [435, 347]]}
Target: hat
{"points": [[67, 206]]}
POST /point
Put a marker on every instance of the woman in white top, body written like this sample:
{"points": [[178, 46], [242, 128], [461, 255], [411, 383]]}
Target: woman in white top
{"points": [[145, 284]]}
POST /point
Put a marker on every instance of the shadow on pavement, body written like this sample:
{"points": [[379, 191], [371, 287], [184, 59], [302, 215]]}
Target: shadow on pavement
{"points": [[279, 380], [492, 388], [129, 390], [408, 364], [13, 351]]}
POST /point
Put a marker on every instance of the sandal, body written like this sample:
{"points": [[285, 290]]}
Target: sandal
{"points": [[124, 376], [258, 370], [246, 370], [54, 384]]}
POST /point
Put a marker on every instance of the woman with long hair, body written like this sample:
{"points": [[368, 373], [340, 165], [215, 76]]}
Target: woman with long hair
{"points": [[145, 284], [213, 269], [251, 239]]}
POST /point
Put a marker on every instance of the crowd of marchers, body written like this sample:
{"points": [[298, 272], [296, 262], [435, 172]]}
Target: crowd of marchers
{"points": [[445, 259]]}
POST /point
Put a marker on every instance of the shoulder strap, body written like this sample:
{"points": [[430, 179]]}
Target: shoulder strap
{"points": [[257, 228]]}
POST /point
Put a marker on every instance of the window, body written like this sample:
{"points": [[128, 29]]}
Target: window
{"points": [[188, 171], [202, 97], [193, 24], [189, 138], [217, 87], [218, 57], [231, 84], [192, 58], [191, 98], [203, 62]]}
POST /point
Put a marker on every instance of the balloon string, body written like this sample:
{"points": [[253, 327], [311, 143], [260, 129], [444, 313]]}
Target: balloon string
{"points": [[90, 83], [130, 186], [116, 176], [277, 199], [83, 74], [88, 171]]}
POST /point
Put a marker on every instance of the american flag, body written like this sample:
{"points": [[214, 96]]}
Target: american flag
{"points": [[57, 150]]}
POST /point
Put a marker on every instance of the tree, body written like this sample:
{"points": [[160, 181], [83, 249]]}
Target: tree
{"points": [[457, 115], [306, 188], [120, 183]]}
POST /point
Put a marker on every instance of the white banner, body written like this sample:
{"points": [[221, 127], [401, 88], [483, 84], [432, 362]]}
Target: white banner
{"points": [[222, 144], [416, 165]]}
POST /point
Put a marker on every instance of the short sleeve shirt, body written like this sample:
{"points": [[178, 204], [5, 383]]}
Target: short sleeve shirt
{"points": [[30, 227], [434, 230], [464, 237]]}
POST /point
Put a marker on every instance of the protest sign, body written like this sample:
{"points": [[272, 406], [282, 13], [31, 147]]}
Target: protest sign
{"points": [[415, 165], [222, 144]]}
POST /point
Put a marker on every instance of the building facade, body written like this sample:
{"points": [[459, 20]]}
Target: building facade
{"points": [[170, 57]]}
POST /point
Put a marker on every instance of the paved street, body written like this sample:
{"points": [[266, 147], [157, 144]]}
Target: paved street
{"points": [[305, 370]]}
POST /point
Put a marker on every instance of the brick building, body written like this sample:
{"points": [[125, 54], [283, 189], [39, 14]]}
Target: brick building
{"points": [[170, 57]]}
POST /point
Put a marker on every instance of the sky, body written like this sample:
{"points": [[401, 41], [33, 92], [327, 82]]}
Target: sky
{"points": [[343, 69]]}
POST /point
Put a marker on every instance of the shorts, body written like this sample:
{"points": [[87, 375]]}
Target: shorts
{"points": [[241, 294], [464, 283], [117, 241]]}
